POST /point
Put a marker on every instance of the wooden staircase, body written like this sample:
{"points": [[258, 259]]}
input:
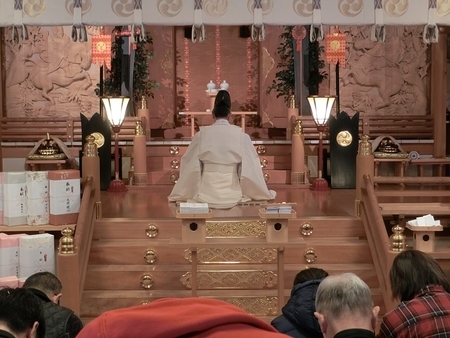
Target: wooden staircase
{"points": [[132, 262]]}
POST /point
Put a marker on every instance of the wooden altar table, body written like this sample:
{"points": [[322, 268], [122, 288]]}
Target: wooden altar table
{"points": [[193, 114]]}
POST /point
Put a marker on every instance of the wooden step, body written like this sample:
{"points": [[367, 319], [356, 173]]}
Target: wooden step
{"points": [[124, 250]]}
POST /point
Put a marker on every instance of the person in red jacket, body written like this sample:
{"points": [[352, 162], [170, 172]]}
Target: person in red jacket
{"points": [[179, 317], [423, 290]]}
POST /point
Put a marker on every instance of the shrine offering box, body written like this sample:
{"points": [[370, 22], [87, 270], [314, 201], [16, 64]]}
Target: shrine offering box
{"points": [[14, 198], [38, 200], [9, 255], [10, 282], [37, 253], [65, 194]]}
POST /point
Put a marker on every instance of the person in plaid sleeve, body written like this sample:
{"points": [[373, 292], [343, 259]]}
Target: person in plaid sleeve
{"points": [[423, 290]]}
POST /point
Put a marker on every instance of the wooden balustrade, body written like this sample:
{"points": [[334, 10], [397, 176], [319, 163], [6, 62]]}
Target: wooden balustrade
{"points": [[69, 129], [71, 267], [378, 239]]}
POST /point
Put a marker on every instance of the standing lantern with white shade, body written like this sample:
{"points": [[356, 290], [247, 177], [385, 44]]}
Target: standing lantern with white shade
{"points": [[321, 110], [116, 108]]}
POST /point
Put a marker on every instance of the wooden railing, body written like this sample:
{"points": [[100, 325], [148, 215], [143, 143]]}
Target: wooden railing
{"points": [[71, 267], [400, 199], [398, 126], [69, 129], [378, 239], [66, 129]]}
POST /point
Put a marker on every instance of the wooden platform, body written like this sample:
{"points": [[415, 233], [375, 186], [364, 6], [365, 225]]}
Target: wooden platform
{"points": [[151, 202]]}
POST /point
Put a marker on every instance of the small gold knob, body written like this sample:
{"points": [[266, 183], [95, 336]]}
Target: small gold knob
{"points": [[310, 255], [264, 163], [174, 150], [174, 178], [261, 149], [152, 230], [174, 164], [307, 229], [266, 177], [150, 256], [147, 281]]}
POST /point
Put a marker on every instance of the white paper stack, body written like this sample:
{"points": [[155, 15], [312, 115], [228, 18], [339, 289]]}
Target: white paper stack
{"points": [[427, 221], [194, 208], [276, 209]]}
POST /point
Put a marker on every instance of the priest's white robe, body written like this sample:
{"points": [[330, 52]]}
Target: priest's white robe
{"points": [[221, 168]]}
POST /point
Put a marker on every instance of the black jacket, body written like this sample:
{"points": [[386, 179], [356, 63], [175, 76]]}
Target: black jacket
{"points": [[298, 318], [60, 322], [5, 334]]}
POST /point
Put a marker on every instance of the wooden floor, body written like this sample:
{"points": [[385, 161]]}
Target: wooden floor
{"points": [[151, 201]]}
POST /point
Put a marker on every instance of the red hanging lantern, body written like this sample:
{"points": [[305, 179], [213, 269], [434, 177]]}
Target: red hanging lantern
{"points": [[335, 47], [101, 50]]}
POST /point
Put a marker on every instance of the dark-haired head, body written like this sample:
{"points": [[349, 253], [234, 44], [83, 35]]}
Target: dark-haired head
{"points": [[21, 311], [46, 282], [223, 99], [222, 104], [309, 274], [411, 271]]}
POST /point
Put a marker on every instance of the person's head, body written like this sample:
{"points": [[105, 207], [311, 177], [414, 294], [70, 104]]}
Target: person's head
{"points": [[309, 274], [46, 282], [343, 302], [413, 270], [222, 105], [21, 313]]}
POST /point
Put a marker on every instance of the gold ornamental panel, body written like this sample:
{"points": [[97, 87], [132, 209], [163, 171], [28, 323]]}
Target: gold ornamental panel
{"points": [[231, 279], [226, 229], [257, 306], [233, 255]]}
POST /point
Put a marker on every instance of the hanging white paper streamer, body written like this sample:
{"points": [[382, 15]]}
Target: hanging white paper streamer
{"points": [[198, 28], [378, 29], [258, 30], [431, 31], [77, 24], [18, 22], [137, 28], [316, 31]]}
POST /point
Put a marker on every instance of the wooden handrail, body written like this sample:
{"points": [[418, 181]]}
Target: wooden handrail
{"points": [[378, 239], [69, 129], [72, 267]]}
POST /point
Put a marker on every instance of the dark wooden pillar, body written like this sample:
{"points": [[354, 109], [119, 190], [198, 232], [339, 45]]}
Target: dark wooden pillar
{"points": [[439, 93]]}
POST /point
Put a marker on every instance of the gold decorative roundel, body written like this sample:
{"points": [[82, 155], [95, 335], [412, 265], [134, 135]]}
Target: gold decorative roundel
{"points": [[344, 138], [99, 139]]}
